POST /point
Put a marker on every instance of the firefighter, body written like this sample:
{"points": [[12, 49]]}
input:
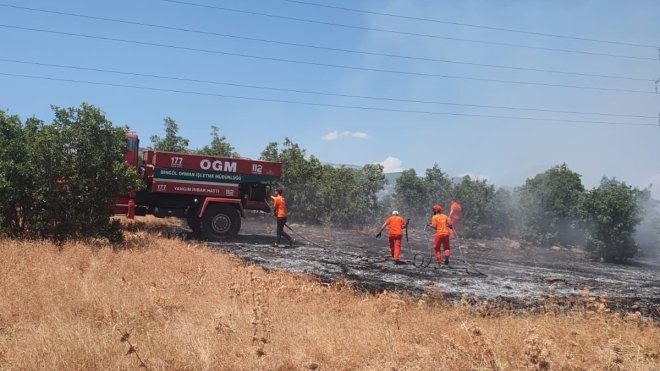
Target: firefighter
{"points": [[279, 210], [440, 222], [395, 225], [454, 216]]}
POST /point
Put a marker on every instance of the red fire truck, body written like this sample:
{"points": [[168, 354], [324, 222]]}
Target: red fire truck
{"points": [[211, 193]]}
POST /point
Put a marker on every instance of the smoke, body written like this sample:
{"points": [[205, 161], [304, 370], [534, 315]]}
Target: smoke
{"points": [[647, 233]]}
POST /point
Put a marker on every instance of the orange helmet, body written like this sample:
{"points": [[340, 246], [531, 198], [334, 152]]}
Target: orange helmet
{"points": [[437, 208]]}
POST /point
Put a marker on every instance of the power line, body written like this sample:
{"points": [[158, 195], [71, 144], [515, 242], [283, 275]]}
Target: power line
{"points": [[319, 64], [312, 92], [483, 42], [570, 37], [319, 47], [363, 108]]}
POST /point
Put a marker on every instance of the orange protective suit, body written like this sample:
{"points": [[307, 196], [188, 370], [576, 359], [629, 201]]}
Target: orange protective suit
{"points": [[454, 216], [441, 224], [395, 226], [279, 206], [279, 210]]}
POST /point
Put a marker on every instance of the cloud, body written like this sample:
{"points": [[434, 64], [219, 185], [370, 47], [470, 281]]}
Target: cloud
{"points": [[360, 134], [391, 165], [334, 135]]}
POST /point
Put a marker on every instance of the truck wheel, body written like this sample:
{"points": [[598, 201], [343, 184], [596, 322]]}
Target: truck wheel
{"points": [[220, 221]]}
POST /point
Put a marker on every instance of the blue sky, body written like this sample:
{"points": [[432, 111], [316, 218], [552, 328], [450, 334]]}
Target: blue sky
{"points": [[506, 151]]}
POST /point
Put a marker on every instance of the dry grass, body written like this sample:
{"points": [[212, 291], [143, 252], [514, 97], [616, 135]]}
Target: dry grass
{"points": [[188, 307]]}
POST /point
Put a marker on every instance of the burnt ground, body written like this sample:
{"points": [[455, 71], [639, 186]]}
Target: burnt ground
{"points": [[511, 273]]}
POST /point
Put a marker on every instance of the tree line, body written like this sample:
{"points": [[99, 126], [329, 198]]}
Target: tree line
{"points": [[551, 208], [57, 180]]}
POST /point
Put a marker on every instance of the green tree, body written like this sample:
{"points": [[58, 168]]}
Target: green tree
{"points": [[411, 194], [334, 195], [440, 187], [611, 213], [71, 173], [548, 206], [477, 200], [350, 196], [16, 176], [415, 195], [322, 193], [301, 178], [271, 152], [172, 142], [218, 145], [370, 183]]}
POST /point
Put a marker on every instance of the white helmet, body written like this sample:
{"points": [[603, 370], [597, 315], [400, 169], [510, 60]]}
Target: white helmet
{"points": [[395, 212]]}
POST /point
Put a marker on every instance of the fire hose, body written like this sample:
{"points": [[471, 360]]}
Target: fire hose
{"points": [[329, 247], [465, 261], [421, 261], [316, 244]]}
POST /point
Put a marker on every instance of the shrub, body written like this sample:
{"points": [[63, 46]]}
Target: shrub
{"points": [[611, 212], [61, 179], [548, 206]]}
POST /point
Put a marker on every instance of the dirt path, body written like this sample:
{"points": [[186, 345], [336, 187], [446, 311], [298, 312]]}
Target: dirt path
{"points": [[511, 272]]}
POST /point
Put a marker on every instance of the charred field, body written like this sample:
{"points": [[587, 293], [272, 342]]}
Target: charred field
{"points": [[503, 272]]}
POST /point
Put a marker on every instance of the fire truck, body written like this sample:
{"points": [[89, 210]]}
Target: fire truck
{"points": [[211, 193]]}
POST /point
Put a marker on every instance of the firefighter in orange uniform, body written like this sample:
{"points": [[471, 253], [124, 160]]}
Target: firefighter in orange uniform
{"points": [[440, 222], [454, 216], [279, 210], [395, 225]]}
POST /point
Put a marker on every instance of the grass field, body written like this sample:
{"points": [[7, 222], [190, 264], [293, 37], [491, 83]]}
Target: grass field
{"points": [[181, 306]]}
